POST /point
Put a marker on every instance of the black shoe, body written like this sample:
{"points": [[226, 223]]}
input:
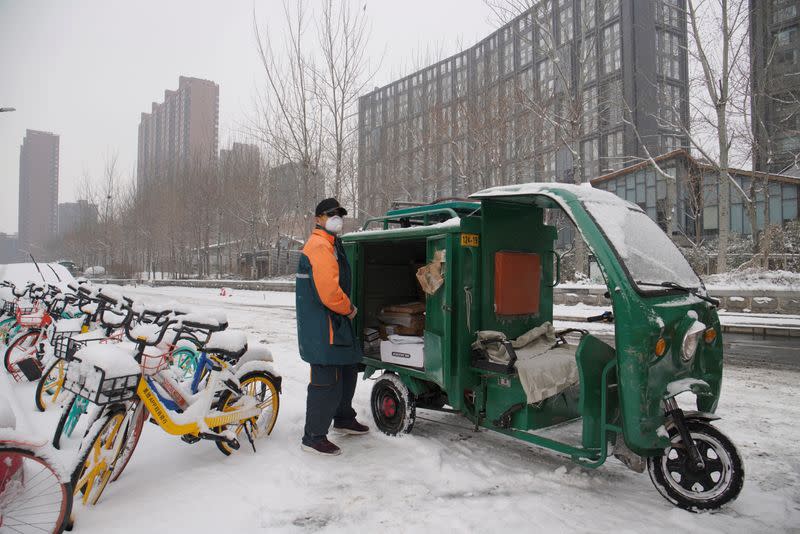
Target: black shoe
{"points": [[323, 447], [353, 428]]}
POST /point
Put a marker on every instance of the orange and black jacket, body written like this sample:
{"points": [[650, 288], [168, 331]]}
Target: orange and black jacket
{"points": [[324, 333]]}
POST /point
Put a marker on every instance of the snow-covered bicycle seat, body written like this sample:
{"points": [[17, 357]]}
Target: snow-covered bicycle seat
{"points": [[229, 343]]}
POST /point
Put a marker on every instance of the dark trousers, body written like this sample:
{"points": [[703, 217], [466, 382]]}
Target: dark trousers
{"points": [[330, 398]]}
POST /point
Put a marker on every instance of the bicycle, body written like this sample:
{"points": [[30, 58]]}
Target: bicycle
{"points": [[35, 495], [239, 394]]}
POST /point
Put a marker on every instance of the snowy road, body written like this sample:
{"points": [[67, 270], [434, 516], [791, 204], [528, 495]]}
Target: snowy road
{"points": [[443, 476]]}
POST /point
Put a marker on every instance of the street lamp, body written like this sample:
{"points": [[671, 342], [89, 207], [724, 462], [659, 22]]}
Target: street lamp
{"points": [[3, 110]]}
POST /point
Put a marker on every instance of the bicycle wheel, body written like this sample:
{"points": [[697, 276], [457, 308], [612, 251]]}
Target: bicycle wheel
{"points": [[131, 439], [22, 347], [99, 451], [261, 386], [66, 414], [185, 361], [6, 328], [32, 496], [50, 386]]}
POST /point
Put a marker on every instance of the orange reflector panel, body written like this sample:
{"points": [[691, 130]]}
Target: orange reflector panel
{"points": [[661, 346], [710, 335]]}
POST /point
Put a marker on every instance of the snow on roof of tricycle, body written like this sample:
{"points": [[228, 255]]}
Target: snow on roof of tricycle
{"points": [[583, 193]]}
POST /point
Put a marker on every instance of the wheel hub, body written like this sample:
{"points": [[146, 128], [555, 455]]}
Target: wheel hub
{"points": [[389, 407]]}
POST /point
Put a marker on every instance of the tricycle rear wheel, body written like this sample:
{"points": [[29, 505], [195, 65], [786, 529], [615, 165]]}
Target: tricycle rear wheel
{"points": [[718, 483], [393, 405]]}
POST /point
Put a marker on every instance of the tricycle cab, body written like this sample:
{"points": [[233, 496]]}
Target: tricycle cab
{"points": [[498, 268]]}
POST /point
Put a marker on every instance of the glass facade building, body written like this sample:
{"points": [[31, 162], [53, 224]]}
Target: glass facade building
{"points": [[567, 91], [694, 186]]}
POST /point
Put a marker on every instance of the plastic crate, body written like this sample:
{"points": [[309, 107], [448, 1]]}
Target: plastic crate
{"points": [[96, 388]]}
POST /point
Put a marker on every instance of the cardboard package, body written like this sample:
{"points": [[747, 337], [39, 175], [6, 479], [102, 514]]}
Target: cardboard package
{"points": [[404, 319]]}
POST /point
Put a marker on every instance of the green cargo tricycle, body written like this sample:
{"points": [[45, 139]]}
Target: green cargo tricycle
{"points": [[490, 353]]}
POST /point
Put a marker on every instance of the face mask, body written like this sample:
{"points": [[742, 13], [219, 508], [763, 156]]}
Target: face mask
{"points": [[334, 224]]}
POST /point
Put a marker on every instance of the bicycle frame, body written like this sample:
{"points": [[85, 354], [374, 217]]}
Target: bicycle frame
{"points": [[200, 415]]}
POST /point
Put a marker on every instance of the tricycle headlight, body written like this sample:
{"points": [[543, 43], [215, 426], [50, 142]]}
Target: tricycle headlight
{"points": [[691, 339]]}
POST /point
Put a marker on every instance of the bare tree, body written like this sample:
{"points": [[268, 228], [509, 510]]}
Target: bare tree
{"points": [[290, 111], [342, 77]]}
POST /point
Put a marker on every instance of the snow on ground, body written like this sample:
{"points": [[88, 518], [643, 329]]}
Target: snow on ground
{"points": [[442, 476], [756, 279]]}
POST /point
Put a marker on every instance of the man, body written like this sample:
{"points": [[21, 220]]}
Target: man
{"points": [[325, 332]]}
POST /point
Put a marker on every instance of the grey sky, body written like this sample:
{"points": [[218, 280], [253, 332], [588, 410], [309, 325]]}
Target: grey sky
{"points": [[86, 69]]}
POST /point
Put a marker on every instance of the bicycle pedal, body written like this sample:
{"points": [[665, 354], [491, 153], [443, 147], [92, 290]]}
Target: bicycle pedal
{"points": [[190, 438]]}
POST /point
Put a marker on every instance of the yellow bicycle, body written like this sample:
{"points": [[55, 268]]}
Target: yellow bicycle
{"points": [[233, 395]]}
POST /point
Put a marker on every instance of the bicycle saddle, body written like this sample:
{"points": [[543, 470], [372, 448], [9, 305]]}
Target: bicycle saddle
{"points": [[230, 343]]}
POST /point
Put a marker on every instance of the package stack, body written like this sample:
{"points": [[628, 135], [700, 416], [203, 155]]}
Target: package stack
{"points": [[401, 330], [372, 341], [402, 319]]}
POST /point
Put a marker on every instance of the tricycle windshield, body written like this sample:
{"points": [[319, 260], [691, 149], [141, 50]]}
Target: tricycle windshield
{"points": [[648, 254]]}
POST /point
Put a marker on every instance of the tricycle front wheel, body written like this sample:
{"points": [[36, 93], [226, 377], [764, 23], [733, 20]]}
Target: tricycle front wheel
{"points": [[393, 405], [686, 486]]}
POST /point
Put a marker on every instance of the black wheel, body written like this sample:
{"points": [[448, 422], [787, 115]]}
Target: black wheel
{"points": [[682, 484], [65, 411], [33, 498], [393, 405]]}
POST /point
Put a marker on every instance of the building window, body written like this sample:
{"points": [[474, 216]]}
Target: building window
{"points": [[590, 111], [591, 158], [669, 106], [781, 14], [544, 35], [588, 14], [461, 83], [588, 60], [670, 13], [565, 21], [609, 9], [786, 36], [549, 167], [508, 56], [447, 88], [668, 49], [786, 58], [789, 202], [615, 151], [670, 143], [526, 84], [547, 80], [613, 103], [526, 48], [612, 49]]}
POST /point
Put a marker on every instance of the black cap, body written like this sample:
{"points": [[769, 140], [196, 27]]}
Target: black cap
{"points": [[330, 206]]}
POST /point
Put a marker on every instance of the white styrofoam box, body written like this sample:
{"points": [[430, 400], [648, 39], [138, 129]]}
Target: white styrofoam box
{"points": [[405, 354]]}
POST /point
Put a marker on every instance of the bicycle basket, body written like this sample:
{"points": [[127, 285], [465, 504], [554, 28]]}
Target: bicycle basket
{"points": [[32, 319], [10, 307], [153, 363], [91, 383], [64, 347]]}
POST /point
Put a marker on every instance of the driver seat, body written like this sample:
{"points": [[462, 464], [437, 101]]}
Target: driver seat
{"points": [[544, 362]]}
